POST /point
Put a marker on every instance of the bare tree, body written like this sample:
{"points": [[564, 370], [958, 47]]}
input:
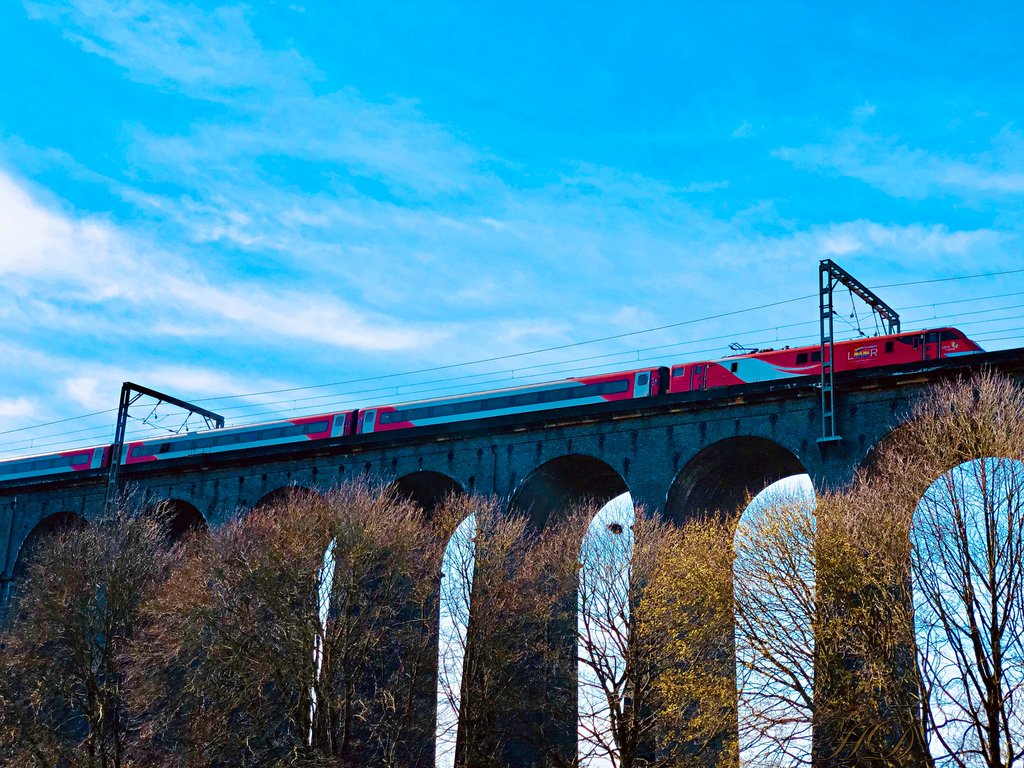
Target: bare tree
{"points": [[960, 454], [686, 613], [493, 673], [776, 611], [968, 573], [625, 655], [606, 642], [228, 661], [63, 662], [925, 595]]}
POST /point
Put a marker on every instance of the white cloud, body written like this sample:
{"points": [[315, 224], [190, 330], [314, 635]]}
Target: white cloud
{"points": [[743, 130], [57, 260], [206, 53], [91, 392], [888, 163], [17, 408], [864, 112]]}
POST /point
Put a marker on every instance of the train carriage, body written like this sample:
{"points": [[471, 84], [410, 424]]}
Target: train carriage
{"points": [[308, 428], [42, 465], [625, 385]]}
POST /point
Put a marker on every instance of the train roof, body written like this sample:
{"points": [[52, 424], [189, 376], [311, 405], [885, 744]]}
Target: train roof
{"points": [[240, 427], [65, 452], [503, 390], [801, 348]]}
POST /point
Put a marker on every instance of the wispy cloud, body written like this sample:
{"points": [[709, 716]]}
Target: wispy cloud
{"points": [[299, 230], [891, 164], [206, 53], [17, 408], [90, 276]]}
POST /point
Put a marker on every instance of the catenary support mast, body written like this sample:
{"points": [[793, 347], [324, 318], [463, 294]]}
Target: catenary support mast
{"points": [[831, 275], [131, 394]]}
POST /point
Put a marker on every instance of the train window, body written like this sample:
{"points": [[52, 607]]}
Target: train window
{"points": [[888, 346], [678, 371], [734, 367], [505, 401], [816, 356], [216, 439], [643, 379], [950, 336], [698, 369], [917, 342], [801, 357], [60, 461], [610, 388], [931, 338]]}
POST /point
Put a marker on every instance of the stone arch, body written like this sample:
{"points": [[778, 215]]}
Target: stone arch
{"points": [[545, 494], [179, 517], [782, 703], [869, 464], [965, 531], [48, 526], [30, 547], [563, 482], [901, 439], [725, 474], [286, 494], [427, 489]]}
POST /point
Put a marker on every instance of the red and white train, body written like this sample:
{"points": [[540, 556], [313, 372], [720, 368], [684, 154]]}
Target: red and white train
{"points": [[761, 365]]}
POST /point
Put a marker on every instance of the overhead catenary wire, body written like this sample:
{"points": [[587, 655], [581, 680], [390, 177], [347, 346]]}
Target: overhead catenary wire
{"points": [[420, 390], [258, 408], [515, 373], [319, 408], [613, 337]]}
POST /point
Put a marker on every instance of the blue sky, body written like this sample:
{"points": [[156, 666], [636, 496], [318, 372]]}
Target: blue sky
{"points": [[223, 199]]}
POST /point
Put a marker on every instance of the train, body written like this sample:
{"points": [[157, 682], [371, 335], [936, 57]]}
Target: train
{"points": [[637, 384]]}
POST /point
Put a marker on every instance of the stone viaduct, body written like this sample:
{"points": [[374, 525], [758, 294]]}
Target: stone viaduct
{"points": [[679, 454]]}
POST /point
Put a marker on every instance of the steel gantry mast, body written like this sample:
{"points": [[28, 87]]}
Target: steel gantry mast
{"points": [[130, 395], [831, 275]]}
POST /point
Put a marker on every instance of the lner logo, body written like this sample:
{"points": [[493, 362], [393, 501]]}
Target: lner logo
{"points": [[863, 353]]}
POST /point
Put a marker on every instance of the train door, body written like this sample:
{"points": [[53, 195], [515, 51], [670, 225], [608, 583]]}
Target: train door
{"points": [[931, 349], [369, 419], [642, 384], [699, 380]]}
